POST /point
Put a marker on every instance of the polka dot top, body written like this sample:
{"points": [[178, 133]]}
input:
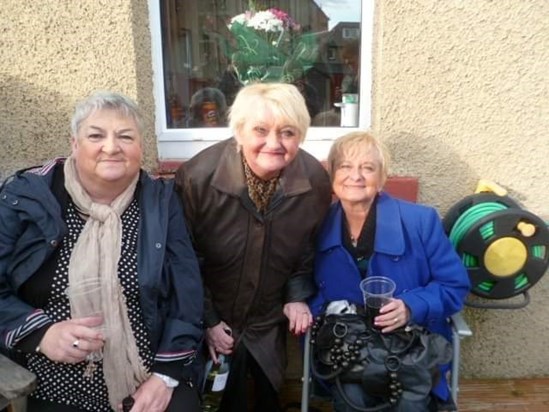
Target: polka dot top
{"points": [[66, 383]]}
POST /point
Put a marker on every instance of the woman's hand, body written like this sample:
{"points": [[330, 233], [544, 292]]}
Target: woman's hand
{"points": [[152, 396], [299, 316], [393, 315], [219, 340], [72, 340]]}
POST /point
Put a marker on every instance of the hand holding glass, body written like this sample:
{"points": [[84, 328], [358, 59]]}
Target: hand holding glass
{"points": [[86, 302], [376, 291]]}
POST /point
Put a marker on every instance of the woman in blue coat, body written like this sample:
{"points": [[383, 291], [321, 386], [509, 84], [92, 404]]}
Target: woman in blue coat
{"points": [[369, 233]]}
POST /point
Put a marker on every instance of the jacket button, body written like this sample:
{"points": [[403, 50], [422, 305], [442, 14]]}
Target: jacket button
{"points": [[53, 243], [396, 258], [4, 197], [158, 245], [15, 202]]}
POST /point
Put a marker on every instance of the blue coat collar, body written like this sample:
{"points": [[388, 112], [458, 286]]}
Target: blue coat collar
{"points": [[389, 237]]}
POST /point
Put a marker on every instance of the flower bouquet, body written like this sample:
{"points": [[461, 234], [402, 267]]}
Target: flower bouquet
{"points": [[269, 47]]}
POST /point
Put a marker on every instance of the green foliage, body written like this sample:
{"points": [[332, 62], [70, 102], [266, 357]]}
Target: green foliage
{"points": [[270, 47]]}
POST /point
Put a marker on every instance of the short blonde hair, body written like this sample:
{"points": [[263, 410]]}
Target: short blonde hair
{"points": [[285, 101], [358, 142]]}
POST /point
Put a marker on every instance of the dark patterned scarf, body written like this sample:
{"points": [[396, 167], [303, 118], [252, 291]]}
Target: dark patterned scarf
{"points": [[260, 191]]}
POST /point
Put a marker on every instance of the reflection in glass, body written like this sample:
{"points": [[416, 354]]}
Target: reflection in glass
{"points": [[213, 47]]}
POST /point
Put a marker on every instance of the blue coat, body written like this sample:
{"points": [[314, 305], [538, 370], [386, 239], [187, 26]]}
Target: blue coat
{"points": [[31, 227], [412, 249]]}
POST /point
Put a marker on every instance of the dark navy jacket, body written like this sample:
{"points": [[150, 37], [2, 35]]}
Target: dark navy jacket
{"points": [[31, 228], [412, 249]]}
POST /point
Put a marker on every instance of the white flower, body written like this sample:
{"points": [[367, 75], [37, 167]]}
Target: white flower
{"points": [[241, 19], [266, 21]]}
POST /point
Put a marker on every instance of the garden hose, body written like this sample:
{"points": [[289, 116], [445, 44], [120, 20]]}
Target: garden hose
{"points": [[504, 248]]}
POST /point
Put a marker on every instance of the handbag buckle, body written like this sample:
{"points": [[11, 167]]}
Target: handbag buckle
{"points": [[340, 330], [392, 363]]}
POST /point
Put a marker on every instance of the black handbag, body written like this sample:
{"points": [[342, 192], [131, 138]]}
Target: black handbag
{"points": [[345, 349]]}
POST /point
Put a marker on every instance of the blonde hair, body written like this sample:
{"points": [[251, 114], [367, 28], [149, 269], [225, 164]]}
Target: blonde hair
{"points": [[358, 142], [284, 100]]}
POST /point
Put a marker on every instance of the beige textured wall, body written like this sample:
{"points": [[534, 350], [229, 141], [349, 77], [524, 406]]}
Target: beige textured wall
{"points": [[55, 52], [461, 92]]}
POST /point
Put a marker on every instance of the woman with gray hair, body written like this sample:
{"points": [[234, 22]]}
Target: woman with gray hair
{"points": [[100, 292], [253, 205]]}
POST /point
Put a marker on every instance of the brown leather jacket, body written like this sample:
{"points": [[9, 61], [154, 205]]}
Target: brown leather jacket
{"points": [[253, 264]]}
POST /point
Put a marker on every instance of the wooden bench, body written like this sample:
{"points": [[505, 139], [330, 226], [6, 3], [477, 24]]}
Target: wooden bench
{"points": [[403, 187], [16, 382]]}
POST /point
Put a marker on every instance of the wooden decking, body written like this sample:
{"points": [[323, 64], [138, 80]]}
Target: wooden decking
{"points": [[531, 395], [494, 395]]}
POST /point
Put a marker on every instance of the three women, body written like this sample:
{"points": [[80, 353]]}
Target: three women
{"points": [[253, 204]]}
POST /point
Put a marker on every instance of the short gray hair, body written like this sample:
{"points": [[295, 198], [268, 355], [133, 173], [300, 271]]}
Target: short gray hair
{"points": [[105, 100]]}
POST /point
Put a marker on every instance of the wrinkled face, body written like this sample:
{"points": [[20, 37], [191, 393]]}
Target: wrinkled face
{"points": [[358, 177], [268, 144], [107, 149]]}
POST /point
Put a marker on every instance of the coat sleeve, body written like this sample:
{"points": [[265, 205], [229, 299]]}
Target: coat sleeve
{"points": [[301, 286], [317, 304], [448, 284], [188, 198], [19, 319], [182, 333]]}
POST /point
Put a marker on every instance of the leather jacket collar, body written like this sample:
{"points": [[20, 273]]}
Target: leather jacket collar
{"points": [[229, 174]]}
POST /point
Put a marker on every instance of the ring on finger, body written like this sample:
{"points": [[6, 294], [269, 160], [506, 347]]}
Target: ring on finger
{"points": [[76, 343]]}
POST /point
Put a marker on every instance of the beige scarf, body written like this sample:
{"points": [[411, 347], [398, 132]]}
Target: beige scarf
{"points": [[94, 260]]}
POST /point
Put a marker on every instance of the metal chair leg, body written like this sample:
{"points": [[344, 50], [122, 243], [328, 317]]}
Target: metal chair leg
{"points": [[306, 377], [460, 330]]}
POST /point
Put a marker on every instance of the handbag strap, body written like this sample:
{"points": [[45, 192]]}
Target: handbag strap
{"points": [[341, 391], [350, 403], [315, 371], [412, 341]]}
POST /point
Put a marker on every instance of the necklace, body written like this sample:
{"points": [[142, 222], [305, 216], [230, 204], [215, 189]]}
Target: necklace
{"points": [[354, 241]]}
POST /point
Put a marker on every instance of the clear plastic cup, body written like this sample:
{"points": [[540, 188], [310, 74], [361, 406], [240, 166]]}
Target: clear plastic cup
{"points": [[376, 291], [86, 302]]}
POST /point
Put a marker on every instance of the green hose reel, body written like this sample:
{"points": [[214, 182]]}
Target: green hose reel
{"points": [[504, 248]]}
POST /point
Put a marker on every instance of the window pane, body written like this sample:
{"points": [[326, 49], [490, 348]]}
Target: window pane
{"points": [[210, 48]]}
